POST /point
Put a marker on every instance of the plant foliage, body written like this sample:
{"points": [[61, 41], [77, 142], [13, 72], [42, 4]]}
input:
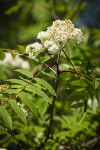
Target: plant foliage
{"points": [[54, 104]]}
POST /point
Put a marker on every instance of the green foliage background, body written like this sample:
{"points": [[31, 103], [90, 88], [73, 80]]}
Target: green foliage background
{"points": [[76, 120]]}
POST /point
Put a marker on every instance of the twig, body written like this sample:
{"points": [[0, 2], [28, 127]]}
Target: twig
{"points": [[74, 72], [48, 66], [11, 133]]}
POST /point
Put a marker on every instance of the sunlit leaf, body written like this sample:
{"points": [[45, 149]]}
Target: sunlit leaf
{"points": [[52, 75], [25, 72], [39, 92], [18, 111], [6, 117], [2, 56], [96, 84], [13, 55], [21, 49], [16, 86], [18, 81], [25, 98], [46, 85], [11, 91], [77, 105]]}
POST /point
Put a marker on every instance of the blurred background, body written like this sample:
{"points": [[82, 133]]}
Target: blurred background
{"points": [[21, 20]]}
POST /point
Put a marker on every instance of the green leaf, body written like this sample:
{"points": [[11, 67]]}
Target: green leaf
{"points": [[97, 77], [18, 111], [75, 95], [25, 97], [97, 81], [11, 91], [18, 81], [21, 49], [52, 75], [2, 56], [43, 59], [64, 67], [88, 67], [25, 72], [13, 55], [13, 9], [6, 117], [46, 85], [16, 86], [39, 92], [96, 84], [77, 105]]}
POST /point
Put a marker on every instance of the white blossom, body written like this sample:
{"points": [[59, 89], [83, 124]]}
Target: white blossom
{"points": [[77, 35], [35, 47], [16, 62], [55, 36], [43, 36], [31, 49], [51, 46], [60, 32]]}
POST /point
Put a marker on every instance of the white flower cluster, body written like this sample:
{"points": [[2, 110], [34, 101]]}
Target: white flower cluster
{"points": [[16, 62], [4, 87], [31, 49], [54, 37]]}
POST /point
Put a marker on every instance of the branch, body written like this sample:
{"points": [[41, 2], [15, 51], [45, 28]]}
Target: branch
{"points": [[48, 67], [74, 72], [11, 133]]}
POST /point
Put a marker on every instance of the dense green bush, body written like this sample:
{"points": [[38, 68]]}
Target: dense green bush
{"points": [[53, 100]]}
